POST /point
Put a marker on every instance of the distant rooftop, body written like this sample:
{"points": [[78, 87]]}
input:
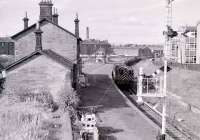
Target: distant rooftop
{"points": [[140, 46], [6, 39], [188, 28], [94, 41]]}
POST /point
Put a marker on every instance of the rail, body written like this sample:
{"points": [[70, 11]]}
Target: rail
{"points": [[174, 129]]}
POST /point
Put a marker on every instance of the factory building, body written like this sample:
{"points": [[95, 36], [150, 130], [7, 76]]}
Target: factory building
{"points": [[94, 49]]}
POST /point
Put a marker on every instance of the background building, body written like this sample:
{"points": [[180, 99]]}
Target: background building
{"points": [[130, 50], [7, 46], [145, 53], [184, 46], [93, 48]]}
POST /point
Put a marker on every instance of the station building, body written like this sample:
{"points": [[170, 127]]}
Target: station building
{"points": [[185, 48], [55, 37], [42, 48]]}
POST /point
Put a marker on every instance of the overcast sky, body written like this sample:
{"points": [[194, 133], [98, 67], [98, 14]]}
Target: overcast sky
{"points": [[119, 21]]}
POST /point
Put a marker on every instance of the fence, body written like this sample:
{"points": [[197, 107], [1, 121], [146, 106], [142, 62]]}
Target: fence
{"points": [[151, 86]]}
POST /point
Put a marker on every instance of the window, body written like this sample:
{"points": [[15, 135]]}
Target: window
{"points": [[190, 60], [11, 44], [3, 44], [174, 50], [190, 50]]}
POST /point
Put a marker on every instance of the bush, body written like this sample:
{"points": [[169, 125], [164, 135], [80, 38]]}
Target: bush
{"points": [[70, 102]]}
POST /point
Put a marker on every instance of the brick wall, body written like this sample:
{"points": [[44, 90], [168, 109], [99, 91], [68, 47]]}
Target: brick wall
{"points": [[53, 38], [40, 73]]}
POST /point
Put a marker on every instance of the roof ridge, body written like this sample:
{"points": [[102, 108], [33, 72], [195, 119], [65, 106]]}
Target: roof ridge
{"points": [[6, 39], [21, 60], [50, 53], [57, 57], [41, 21]]}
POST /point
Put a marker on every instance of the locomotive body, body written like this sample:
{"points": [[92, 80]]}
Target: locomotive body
{"points": [[123, 75]]}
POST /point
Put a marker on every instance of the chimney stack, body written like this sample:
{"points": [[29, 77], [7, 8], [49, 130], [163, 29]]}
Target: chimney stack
{"points": [[38, 37], [25, 19], [76, 26], [55, 16], [79, 67], [46, 9], [87, 33]]}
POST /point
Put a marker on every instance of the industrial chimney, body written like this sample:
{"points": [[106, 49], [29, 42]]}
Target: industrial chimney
{"points": [[87, 33], [79, 67], [76, 26]]}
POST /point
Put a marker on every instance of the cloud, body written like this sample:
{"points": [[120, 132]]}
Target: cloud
{"points": [[115, 20]]}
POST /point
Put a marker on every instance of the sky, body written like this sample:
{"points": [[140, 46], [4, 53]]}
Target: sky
{"points": [[118, 21]]}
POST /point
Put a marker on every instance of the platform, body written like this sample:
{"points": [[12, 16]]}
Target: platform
{"points": [[118, 120]]}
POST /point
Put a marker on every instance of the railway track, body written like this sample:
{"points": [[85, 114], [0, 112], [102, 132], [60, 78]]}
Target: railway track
{"points": [[173, 128]]}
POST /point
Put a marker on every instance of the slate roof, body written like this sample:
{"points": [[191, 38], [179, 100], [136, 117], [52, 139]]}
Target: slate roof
{"points": [[191, 28], [49, 53], [188, 29], [58, 58], [41, 22]]}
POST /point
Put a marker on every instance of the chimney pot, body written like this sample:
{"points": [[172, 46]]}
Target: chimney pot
{"points": [[55, 16], [38, 37], [25, 19]]}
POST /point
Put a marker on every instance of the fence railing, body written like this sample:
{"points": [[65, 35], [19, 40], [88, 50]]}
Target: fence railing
{"points": [[151, 86]]}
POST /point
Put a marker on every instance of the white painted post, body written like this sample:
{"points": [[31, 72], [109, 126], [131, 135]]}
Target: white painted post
{"points": [[166, 47], [163, 132], [4, 74], [139, 90], [95, 133]]}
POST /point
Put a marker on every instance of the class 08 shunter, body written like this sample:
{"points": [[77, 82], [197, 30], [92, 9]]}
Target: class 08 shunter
{"points": [[123, 75]]}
